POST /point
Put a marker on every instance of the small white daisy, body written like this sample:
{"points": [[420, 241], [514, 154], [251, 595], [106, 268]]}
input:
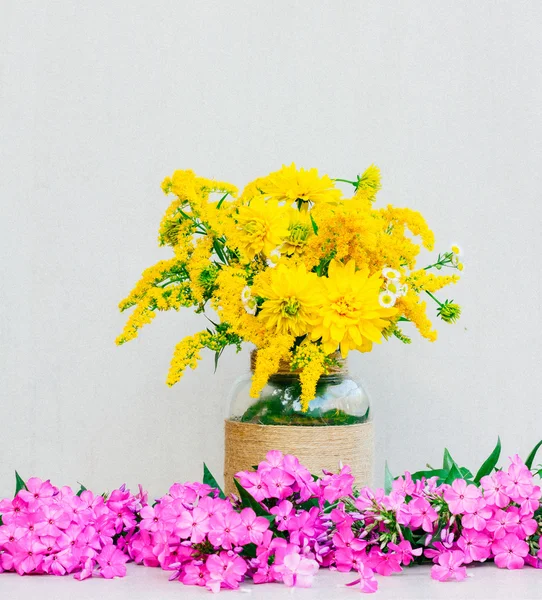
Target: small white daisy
{"points": [[391, 273], [386, 299]]}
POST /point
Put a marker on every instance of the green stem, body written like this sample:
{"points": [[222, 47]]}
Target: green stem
{"points": [[354, 183], [435, 299]]}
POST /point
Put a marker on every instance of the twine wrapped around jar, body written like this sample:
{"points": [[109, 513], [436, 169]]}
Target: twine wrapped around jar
{"points": [[246, 445]]}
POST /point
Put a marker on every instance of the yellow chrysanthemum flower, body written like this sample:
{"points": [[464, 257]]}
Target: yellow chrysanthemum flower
{"points": [[292, 296], [299, 185], [299, 231], [261, 226], [351, 317]]}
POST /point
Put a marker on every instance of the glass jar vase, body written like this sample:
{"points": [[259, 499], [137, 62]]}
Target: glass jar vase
{"points": [[336, 429], [339, 400]]}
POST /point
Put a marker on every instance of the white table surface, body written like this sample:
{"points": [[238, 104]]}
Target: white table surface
{"points": [[141, 583]]}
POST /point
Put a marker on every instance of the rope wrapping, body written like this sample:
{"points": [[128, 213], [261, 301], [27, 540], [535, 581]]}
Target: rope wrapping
{"points": [[246, 445]]}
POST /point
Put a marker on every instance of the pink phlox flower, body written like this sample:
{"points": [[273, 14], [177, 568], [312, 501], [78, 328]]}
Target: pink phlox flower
{"points": [[462, 498], [405, 551], [68, 538], [60, 563], [142, 496], [105, 529], [394, 501], [88, 543], [193, 525], [403, 485], [10, 533], [86, 571], [422, 514], [278, 483], [78, 509], [30, 520], [518, 482], [348, 548], [533, 561], [366, 580], [297, 571], [383, 563], [307, 526], [478, 518], [430, 486], [449, 567], [150, 518], [346, 560], [475, 545], [510, 551], [438, 549], [202, 490], [212, 506], [53, 520], [339, 516], [13, 511], [112, 562], [38, 491], [226, 530], [519, 522], [263, 573], [255, 526], [344, 538], [171, 511], [274, 459], [307, 485], [195, 573], [140, 549], [226, 569], [254, 484], [283, 512], [179, 491], [53, 544], [170, 551], [368, 497], [337, 486], [532, 502], [28, 554], [526, 524]]}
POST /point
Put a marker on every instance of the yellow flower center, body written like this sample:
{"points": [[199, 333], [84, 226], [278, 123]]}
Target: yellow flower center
{"points": [[290, 307], [343, 306]]}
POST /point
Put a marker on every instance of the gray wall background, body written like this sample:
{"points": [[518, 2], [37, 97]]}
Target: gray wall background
{"points": [[101, 100]]}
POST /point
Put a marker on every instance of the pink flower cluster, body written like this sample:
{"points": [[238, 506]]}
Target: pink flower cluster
{"points": [[215, 542], [283, 525], [55, 531], [453, 525]]}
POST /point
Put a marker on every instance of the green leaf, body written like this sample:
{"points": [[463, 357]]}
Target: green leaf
{"points": [[209, 479], [440, 473], [388, 479], [81, 489], [249, 501], [314, 225], [19, 483], [489, 463], [448, 462], [454, 474], [466, 474], [222, 200], [530, 458]]}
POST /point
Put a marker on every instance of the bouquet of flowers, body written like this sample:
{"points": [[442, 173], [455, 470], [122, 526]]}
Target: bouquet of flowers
{"points": [[293, 266]]}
